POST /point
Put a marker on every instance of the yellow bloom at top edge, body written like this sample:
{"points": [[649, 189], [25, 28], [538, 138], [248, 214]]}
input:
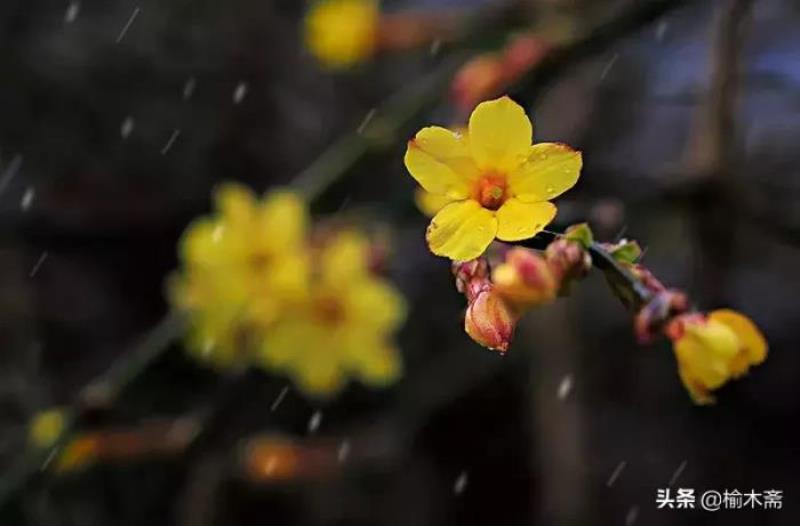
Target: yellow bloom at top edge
{"points": [[716, 348], [496, 183], [344, 329], [239, 267], [340, 33]]}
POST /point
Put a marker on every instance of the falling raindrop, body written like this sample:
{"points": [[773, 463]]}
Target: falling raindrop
{"points": [[366, 121], [208, 346], [240, 92], [436, 46], [615, 475], [188, 88], [678, 473], [661, 30], [461, 483], [126, 127], [216, 234], [170, 142], [38, 264], [279, 399], [344, 451], [127, 25], [565, 387], [632, 515], [314, 421], [609, 65], [72, 12], [27, 198]]}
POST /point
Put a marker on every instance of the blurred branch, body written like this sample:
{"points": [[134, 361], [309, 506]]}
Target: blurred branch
{"points": [[635, 16]]}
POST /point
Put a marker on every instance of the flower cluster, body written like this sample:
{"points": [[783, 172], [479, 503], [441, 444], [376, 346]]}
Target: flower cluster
{"points": [[260, 289], [500, 292]]}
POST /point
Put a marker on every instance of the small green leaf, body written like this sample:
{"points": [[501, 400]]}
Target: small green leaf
{"points": [[580, 233], [626, 251]]}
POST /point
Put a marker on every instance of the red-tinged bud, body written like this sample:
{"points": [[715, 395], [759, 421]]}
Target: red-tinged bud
{"points": [[468, 271], [478, 80], [525, 279], [524, 52], [490, 321], [568, 260], [655, 316], [646, 277]]}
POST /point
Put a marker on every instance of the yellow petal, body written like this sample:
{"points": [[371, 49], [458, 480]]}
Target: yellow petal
{"points": [[750, 337], [700, 395], [440, 161], [707, 351], [283, 220], [202, 243], [461, 231], [322, 377], [517, 220], [550, 170], [344, 259], [430, 204], [374, 303], [500, 135], [379, 367], [235, 202]]}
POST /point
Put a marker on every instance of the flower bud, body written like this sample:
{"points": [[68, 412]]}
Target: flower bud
{"points": [[568, 260], [477, 80], [468, 271], [524, 279], [654, 316], [490, 321]]}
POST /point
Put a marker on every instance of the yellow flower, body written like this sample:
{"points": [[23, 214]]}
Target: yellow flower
{"points": [[497, 184], [46, 427], [241, 266], [341, 33], [344, 326], [714, 349]]}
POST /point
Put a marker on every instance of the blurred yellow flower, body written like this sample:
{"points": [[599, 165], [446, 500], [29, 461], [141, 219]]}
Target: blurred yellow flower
{"points": [[714, 349], [341, 33], [257, 290], [241, 266], [497, 183], [343, 328], [46, 427]]}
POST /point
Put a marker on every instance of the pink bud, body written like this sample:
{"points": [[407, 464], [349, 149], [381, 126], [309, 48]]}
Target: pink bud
{"points": [[489, 320]]}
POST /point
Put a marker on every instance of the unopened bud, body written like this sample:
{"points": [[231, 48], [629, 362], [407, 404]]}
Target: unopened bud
{"points": [[477, 80], [525, 279], [468, 271], [490, 321], [656, 314], [568, 260]]}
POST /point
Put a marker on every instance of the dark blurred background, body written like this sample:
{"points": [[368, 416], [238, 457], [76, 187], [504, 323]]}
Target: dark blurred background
{"points": [[119, 116]]}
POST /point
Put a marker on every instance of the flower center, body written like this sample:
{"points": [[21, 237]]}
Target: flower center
{"points": [[328, 311], [491, 191]]}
